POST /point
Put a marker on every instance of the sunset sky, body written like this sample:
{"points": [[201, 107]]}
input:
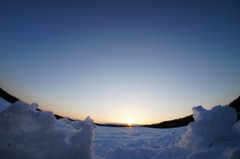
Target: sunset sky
{"points": [[121, 60]]}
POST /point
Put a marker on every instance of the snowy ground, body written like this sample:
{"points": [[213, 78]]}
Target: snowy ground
{"points": [[29, 134], [108, 139]]}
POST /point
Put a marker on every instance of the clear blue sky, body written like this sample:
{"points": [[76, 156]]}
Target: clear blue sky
{"points": [[121, 60]]}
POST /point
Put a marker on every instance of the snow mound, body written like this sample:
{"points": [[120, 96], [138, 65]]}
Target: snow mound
{"points": [[210, 126], [29, 134]]}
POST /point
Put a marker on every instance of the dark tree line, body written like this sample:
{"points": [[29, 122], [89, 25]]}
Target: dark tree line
{"points": [[7, 97], [173, 123]]}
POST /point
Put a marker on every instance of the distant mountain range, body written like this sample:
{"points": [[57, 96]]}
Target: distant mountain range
{"points": [[165, 124]]}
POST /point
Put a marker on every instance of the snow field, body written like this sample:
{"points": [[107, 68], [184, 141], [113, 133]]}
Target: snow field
{"points": [[213, 135], [108, 139], [31, 134]]}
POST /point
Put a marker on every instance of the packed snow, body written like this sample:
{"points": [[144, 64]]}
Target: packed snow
{"points": [[31, 134], [28, 134]]}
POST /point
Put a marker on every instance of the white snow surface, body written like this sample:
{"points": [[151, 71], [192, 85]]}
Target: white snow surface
{"points": [[26, 133], [133, 142]]}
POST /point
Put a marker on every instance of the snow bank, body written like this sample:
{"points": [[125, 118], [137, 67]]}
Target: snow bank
{"points": [[31, 134], [212, 135], [210, 126]]}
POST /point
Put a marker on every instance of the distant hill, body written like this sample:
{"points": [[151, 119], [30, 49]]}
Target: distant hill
{"points": [[7, 97], [12, 99], [186, 120], [236, 104], [172, 123]]}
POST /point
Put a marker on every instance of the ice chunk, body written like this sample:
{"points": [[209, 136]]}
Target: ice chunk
{"points": [[65, 121], [34, 105]]}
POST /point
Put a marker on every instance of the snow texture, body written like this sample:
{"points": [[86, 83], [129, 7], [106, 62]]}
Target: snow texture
{"points": [[30, 134]]}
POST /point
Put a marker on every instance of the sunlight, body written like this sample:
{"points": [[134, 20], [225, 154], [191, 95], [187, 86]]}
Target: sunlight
{"points": [[129, 122]]}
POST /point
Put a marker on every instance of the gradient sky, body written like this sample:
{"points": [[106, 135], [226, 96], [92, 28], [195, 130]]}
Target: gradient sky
{"points": [[121, 60]]}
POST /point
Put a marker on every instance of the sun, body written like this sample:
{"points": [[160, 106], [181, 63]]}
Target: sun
{"points": [[129, 122]]}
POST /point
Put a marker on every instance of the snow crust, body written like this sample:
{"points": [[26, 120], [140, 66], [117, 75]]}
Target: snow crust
{"points": [[31, 134]]}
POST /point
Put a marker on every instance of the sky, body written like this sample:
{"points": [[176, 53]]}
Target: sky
{"points": [[121, 61]]}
